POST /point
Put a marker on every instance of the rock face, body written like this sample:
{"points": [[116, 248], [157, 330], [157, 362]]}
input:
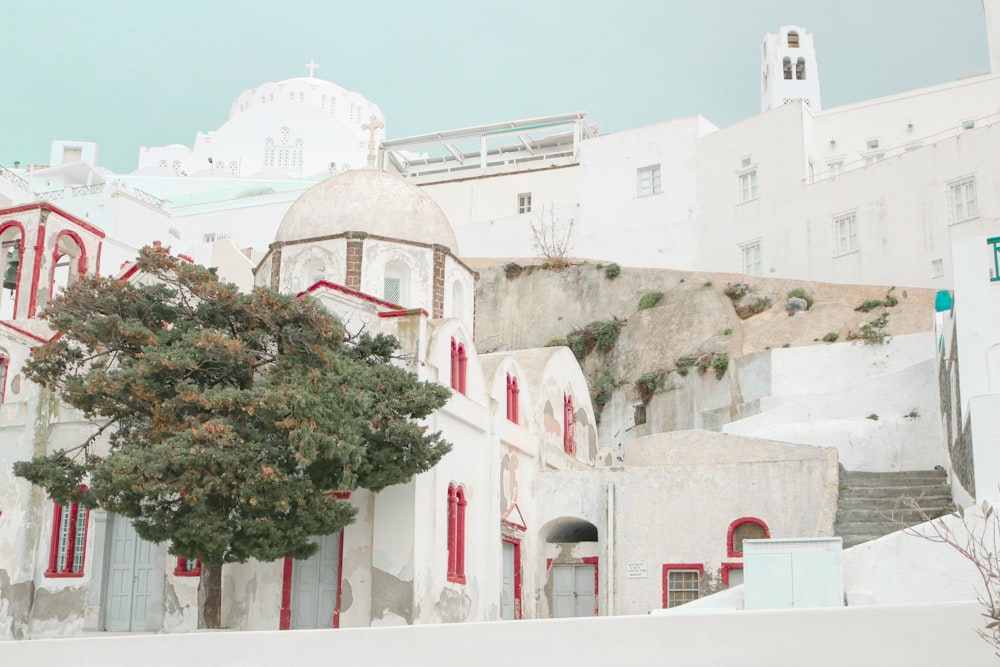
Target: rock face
{"points": [[796, 304]]}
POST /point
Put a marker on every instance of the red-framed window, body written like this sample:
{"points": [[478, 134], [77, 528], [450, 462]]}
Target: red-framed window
{"points": [[513, 398], [727, 569], [681, 583], [4, 365], [11, 257], [569, 425], [744, 528], [188, 567], [67, 549], [456, 533], [459, 362]]}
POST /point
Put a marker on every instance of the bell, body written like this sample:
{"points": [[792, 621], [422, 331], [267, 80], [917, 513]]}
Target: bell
{"points": [[10, 273]]}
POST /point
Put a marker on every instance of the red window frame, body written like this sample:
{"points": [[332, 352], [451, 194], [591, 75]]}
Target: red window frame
{"points": [[513, 398], [4, 367], [569, 425], [456, 533], [185, 568], [20, 249], [670, 567], [459, 364], [730, 551], [62, 561], [726, 569]]}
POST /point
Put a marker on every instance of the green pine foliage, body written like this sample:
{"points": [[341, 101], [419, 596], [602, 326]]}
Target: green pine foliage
{"points": [[230, 416]]}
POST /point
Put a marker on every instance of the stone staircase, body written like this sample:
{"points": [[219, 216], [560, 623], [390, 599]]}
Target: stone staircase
{"points": [[871, 503]]}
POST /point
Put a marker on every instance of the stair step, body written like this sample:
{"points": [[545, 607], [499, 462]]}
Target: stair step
{"points": [[908, 516], [883, 527], [918, 492], [926, 503], [905, 478]]}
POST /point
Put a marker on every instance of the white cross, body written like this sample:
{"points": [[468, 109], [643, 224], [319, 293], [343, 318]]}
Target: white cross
{"points": [[311, 66], [372, 125]]}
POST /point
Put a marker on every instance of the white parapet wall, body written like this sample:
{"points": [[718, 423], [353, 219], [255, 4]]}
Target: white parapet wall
{"points": [[889, 636]]}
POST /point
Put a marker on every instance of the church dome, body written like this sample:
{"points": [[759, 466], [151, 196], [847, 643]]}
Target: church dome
{"points": [[369, 201]]}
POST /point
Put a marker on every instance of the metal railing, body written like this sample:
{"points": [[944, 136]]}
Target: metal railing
{"points": [[50, 195], [15, 179], [85, 190], [146, 198]]}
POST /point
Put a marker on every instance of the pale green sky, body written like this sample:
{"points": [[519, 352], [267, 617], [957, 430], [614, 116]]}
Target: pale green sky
{"points": [[128, 73]]}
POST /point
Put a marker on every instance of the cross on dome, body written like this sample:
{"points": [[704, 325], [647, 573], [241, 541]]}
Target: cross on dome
{"points": [[311, 66]]}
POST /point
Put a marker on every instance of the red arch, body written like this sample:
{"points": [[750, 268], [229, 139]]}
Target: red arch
{"points": [[81, 266], [20, 249], [736, 524]]}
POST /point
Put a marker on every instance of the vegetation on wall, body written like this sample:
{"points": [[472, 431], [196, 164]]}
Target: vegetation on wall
{"points": [[799, 293], [650, 299], [612, 271], [889, 301], [600, 335], [744, 300], [874, 332]]}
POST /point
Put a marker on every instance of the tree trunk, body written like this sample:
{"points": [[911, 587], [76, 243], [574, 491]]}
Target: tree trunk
{"points": [[210, 597]]}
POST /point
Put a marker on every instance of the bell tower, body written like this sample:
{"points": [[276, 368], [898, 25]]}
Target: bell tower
{"points": [[788, 69]]}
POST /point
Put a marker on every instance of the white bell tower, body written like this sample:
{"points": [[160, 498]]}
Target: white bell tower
{"points": [[788, 69]]}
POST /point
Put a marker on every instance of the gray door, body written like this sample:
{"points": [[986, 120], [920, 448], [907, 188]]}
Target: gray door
{"points": [[573, 590], [132, 599], [507, 611], [315, 582]]}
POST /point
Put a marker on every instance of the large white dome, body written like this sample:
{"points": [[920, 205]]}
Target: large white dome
{"points": [[369, 201]]}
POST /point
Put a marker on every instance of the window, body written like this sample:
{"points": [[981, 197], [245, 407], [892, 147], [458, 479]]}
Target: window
{"points": [[456, 533], [649, 181], [968, 124], [639, 414], [390, 289], [681, 583], [800, 69], [569, 425], [937, 270], [835, 167], [524, 202], [786, 67], [845, 234], [513, 395], [871, 144], [459, 362], [69, 538], [793, 39], [748, 186], [750, 258], [746, 528], [962, 199], [188, 567], [4, 363], [396, 282]]}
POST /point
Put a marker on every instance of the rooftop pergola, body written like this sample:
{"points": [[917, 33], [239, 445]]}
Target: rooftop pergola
{"points": [[513, 144]]}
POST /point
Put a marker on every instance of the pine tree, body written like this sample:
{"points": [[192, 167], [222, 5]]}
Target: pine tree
{"points": [[229, 417]]}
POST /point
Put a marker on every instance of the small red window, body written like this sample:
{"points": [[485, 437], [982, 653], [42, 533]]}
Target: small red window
{"points": [[456, 533], [513, 397], [459, 361], [188, 567], [569, 425]]}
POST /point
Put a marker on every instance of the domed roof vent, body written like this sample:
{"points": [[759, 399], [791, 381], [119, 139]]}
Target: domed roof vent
{"points": [[369, 201]]}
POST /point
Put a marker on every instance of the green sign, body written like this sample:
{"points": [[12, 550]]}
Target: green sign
{"points": [[995, 242]]}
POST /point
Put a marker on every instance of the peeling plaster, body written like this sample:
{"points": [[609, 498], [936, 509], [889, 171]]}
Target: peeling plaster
{"points": [[453, 606], [15, 605], [346, 595], [391, 596], [58, 612], [173, 611]]}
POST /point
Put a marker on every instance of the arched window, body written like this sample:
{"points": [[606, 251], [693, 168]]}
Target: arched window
{"points": [[12, 265], [745, 528], [800, 69], [396, 283], [459, 363], [456, 533], [793, 39], [314, 270], [69, 540], [69, 263], [513, 397], [457, 299], [569, 425], [786, 67]]}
